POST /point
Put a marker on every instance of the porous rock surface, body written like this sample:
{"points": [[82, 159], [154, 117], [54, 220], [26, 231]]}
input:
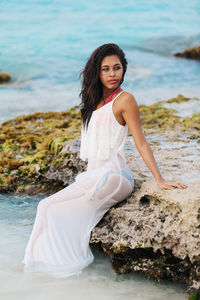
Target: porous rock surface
{"points": [[155, 232]]}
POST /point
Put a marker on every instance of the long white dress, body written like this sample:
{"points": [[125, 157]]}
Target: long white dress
{"points": [[59, 241]]}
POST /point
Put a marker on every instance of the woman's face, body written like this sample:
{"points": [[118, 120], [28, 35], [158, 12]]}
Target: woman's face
{"points": [[111, 72]]}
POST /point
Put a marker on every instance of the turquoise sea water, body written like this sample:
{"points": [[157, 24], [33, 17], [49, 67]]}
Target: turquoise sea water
{"points": [[98, 281], [45, 44]]}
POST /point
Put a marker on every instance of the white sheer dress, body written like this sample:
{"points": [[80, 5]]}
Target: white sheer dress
{"points": [[59, 241]]}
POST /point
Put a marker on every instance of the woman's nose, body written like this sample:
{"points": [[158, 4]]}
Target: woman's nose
{"points": [[112, 72]]}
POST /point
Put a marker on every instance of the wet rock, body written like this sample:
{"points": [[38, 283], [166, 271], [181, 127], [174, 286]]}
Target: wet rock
{"points": [[190, 53], [66, 170], [31, 145], [154, 232], [4, 77], [179, 99]]}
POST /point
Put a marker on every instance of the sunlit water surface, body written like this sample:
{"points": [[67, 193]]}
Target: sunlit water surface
{"points": [[97, 281], [45, 45]]}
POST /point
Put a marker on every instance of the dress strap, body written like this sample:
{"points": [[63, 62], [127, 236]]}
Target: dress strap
{"points": [[117, 96]]}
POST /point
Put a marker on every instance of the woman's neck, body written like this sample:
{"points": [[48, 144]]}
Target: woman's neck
{"points": [[107, 92]]}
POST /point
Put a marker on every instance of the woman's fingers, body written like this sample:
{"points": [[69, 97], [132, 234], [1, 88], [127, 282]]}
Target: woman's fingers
{"points": [[180, 185], [172, 185]]}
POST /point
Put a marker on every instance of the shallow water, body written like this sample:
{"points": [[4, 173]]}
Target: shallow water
{"points": [[97, 281]]}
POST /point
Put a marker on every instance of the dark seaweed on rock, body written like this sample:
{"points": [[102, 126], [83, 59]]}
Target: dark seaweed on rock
{"points": [[30, 145]]}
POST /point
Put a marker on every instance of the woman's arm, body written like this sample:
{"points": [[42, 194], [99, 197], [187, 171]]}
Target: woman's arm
{"points": [[130, 114]]}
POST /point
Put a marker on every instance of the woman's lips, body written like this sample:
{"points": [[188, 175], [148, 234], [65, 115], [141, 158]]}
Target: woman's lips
{"points": [[112, 81]]}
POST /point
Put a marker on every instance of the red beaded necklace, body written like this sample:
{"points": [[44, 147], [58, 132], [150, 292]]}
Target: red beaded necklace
{"points": [[110, 97]]}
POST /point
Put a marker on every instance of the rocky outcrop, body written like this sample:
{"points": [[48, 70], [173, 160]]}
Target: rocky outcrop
{"points": [[30, 152], [153, 232], [157, 232], [190, 53], [33, 148], [4, 78], [66, 170]]}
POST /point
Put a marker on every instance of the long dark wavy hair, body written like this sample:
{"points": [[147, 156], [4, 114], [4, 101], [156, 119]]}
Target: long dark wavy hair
{"points": [[92, 89]]}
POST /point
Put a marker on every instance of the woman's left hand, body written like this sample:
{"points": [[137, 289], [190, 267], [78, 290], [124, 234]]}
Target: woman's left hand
{"points": [[170, 185]]}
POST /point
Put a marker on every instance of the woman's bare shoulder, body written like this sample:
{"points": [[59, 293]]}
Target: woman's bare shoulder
{"points": [[127, 101]]}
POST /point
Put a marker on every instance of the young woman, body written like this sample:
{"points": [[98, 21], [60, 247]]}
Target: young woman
{"points": [[59, 242]]}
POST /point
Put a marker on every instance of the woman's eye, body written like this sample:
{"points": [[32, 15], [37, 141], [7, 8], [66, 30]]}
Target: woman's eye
{"points": [[115, 68]]}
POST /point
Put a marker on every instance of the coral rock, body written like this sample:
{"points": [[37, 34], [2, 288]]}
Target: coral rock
{"points": [[4, 77], [191, 53]]}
